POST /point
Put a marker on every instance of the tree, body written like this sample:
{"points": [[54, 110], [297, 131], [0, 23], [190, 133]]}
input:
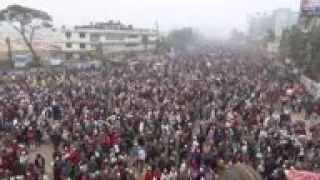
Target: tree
{"points": [[284, 43], [180, 39], [302, 48], [271, 37], [26, 22], [145, 41], [8, 42], [237, 36]]}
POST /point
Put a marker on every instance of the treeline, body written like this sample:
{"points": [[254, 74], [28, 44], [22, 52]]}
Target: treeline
{"points": [[303, 48]]}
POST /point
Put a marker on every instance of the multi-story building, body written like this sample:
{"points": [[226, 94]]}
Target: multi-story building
{"points": [[283, 19], [279, 20], [259, 25], [108, 38]]}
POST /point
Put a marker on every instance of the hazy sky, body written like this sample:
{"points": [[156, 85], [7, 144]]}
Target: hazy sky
{"points": [[207, 14]]}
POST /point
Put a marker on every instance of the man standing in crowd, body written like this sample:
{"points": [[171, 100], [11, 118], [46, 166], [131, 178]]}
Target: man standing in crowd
{"points": [[121, 121]]}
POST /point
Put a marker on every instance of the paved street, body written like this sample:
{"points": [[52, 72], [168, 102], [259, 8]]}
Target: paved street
{"points": [[46, 151]]}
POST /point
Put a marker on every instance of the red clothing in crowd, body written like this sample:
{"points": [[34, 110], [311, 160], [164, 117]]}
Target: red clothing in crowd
{"points": [[148, 176], [31, 176], [122, 172], [156, 175], [85, 176], [30, 172], [317, 109], [106, 169], [7, 162], [31, 135], [92, 147], [108, 141], [302, 130], [252, 120], [75, 157], [193, 164]]}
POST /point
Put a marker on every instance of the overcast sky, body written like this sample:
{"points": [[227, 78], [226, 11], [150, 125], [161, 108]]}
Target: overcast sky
{"points": [[206, 14]]}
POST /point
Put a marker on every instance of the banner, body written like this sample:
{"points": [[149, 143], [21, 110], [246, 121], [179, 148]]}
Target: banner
{"points": [[310, 7], [302, 175], [21, 60], [55, 62]]}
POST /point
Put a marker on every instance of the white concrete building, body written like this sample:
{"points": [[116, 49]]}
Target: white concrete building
{"points": [[79, 42]]}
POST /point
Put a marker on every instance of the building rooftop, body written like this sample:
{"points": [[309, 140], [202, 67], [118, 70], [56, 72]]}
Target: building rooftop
{"points": [[110, 25]]}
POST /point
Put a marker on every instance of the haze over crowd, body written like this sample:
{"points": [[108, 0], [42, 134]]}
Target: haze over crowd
{"points": [[213, 18]]}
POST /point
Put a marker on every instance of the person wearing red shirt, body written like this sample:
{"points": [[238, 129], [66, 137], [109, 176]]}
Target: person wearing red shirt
{"points": [[106, 169], [15, 147], [252, 120], [317, 109], [156, 174], [31, 136], [91, 145], [148, 175], [74, 156], [85, 176], [107, 141], [30, 172], [2, 168]]}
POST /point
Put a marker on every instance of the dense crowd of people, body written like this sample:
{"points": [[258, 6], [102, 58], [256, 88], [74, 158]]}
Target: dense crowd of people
{"points": [[189, 118]]}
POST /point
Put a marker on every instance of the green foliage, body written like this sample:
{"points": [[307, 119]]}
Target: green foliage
{"points": [[24, 15], [180, 39], [26, 21], [271, 36], [303, 49], [237, 36]]}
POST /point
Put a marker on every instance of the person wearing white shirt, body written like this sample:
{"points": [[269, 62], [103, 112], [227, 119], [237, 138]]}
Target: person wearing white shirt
{"points": [[165, 175], [173, 174]]}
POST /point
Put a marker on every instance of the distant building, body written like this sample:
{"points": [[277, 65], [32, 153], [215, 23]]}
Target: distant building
{"points": [[259, 24], [284, 19], [81, 41]]}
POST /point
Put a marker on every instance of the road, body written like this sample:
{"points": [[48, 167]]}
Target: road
{"points": [[46, 151]]}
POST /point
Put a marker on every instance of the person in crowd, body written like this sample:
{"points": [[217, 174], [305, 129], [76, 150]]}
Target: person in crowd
{"points": [[189, 118]]}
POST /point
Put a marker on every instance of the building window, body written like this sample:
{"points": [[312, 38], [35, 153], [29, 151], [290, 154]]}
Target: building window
{"points": [[95, 38], [82, 35], [82, 46], [133, 36], [69, 45], [68, 35], [132, 45], [114, 37]]}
